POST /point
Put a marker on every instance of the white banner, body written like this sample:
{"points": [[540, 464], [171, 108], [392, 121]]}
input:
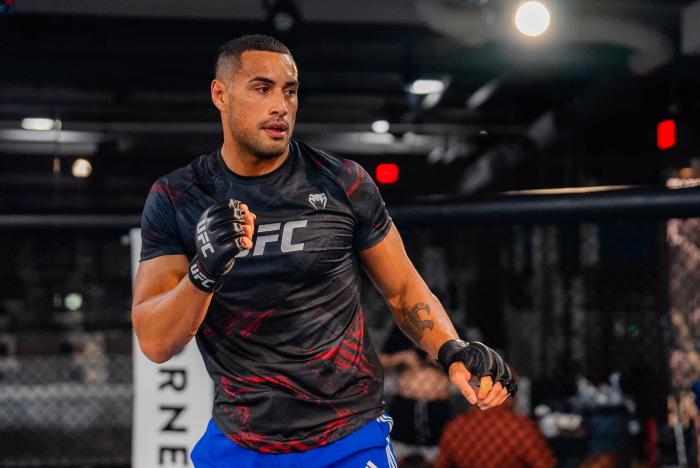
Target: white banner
{"points": [[172, 401]]}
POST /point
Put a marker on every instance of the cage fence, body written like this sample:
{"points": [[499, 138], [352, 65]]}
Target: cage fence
{"points": [[66, 385], [581, 313], [600, 319]]}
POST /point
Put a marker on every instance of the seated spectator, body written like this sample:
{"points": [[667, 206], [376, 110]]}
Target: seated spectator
{"points": [[421, 406], [497, 437]]}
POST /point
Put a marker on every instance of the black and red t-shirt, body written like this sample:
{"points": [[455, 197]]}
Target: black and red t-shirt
{"points": [[284, 340]]}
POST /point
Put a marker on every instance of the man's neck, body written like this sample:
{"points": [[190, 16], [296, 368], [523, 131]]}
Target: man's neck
{"points": [[247, 165]]}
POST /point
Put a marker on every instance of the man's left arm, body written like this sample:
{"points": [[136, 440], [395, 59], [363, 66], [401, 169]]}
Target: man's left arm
{"points": [[420, 315]]}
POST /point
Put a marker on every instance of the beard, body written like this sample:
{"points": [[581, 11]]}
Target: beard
{"points": [[258, 147]]}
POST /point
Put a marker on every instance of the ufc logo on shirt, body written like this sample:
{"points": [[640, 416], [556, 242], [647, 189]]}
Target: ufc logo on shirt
{"points": [[286, 245]]}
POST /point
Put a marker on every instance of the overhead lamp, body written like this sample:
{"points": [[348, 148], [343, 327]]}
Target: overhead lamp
{"points": [[73, 301], [38, 123], [380, 126], [81, 168], [426, 86], [532, 18], [283, 16]]}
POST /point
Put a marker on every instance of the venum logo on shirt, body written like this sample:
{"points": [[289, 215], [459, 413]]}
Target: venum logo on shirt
{"points": [[286, 244], [318, 200]]}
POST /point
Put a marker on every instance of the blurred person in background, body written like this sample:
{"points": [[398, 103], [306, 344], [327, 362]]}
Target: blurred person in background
{"points": [[277, 316], [421, 404], [493, 439]]}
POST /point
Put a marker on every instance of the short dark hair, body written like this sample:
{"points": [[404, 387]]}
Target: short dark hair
{"points": [[229, 56]]}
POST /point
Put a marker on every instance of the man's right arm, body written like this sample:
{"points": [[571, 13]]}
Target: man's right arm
{"points": [[167, 308], [172, 294]]}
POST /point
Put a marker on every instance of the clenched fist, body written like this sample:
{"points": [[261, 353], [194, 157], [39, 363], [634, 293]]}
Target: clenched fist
{"points": [[223, 230]]}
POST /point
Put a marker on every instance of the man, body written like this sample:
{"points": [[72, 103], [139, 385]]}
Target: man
{"points": [[504, 438], [421, 404], [269, 285]]}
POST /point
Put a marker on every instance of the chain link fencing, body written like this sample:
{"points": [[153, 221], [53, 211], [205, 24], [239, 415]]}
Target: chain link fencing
{"points": [[600, 320], [581, 313], [65, 350]]}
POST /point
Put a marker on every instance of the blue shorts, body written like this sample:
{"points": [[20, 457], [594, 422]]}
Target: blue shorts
{"points": [[367, 447]]}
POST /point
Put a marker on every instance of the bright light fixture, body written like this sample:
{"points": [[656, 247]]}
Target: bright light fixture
{"points": [[424, 86], [73, 301], [81, 168], [380, 126], [532, 18], [38, 123]]}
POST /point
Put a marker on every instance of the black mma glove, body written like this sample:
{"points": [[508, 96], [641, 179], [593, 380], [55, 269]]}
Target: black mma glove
{"points": [[217, 240], [479, 359]]}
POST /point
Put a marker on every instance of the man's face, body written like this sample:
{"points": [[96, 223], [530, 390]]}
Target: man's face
{"points": [[262, 103]]}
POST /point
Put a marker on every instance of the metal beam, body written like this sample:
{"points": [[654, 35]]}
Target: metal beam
{"points": [[574, 205], [89, 222], [552, 206]]}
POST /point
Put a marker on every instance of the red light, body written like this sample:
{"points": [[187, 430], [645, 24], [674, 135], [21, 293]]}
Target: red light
{"points": [[666, 134], [387, 173]]}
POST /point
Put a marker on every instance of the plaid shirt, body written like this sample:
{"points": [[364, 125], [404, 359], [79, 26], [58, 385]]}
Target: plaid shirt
{"points": [[497, 437]]}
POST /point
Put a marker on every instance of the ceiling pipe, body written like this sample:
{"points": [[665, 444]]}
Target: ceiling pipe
{"points": [[650, 48], [506, 157]]}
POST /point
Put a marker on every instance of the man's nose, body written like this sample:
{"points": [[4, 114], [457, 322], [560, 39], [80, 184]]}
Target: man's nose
{"points": [[279, 103]]}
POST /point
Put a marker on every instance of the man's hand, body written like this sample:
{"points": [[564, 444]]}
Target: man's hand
{"points": [[465, 361], [223, 230]]}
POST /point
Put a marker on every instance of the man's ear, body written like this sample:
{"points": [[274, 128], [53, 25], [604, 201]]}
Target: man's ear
{"points": [[218, 94]]}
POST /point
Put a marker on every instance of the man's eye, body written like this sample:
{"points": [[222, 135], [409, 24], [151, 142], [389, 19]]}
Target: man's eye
{"points": [[262, 89], [292, 92]]}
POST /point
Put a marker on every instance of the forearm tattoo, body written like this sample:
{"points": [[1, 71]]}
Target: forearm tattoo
{"points": [[411, 324]]}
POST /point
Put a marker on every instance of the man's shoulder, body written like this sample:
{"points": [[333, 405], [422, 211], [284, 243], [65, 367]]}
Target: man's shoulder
{"points": [[344, 171], [179, 181]]}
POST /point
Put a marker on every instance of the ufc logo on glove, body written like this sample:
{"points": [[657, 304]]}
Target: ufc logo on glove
{"points": [[203, 238]]}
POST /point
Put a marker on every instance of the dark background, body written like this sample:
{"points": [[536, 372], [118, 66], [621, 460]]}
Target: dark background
{"points": [[130, 83]]}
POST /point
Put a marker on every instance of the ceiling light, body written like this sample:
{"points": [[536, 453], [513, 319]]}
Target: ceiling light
{"points": [[283, 16], [81, 168], [380, 126], [424, 86], [73, 301], [38, 123], [532, 18]]}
